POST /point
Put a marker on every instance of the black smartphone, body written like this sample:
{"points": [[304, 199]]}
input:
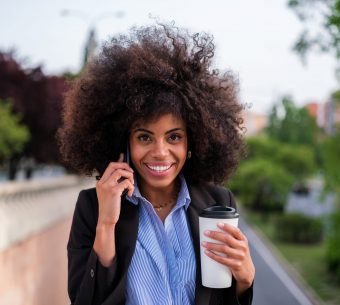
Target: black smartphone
{"points": [[127, 155], [127, 160]]}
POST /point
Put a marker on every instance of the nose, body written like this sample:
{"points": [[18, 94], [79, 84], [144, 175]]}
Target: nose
{"points": [[160, 150]]}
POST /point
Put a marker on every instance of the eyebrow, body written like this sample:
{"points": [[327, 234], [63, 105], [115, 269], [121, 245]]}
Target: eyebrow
{"points": [[148, 131]]}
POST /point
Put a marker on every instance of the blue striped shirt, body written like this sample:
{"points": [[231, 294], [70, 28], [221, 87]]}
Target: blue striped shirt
{"points": [[163, 266]]}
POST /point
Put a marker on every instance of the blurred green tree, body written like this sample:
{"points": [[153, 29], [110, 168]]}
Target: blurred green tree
{"points": [[261, 184], [331, 160], [264, 180], [298, 228], [291, 124], [333, 245], [13, 134], [39, 99], [298, 160], [321, 31]]}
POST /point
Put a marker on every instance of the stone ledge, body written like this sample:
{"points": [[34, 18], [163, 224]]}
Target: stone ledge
{"points": [[29, 186], [30, 207]]}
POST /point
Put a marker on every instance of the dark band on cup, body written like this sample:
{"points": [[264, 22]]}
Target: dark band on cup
{"points": [[219, 212]]}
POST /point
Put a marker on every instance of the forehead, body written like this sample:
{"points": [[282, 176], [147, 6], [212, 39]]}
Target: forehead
{"points": [[166, 121]]}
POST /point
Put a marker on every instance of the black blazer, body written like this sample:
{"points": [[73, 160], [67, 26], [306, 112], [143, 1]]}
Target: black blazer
{"points": [[89, 283]]}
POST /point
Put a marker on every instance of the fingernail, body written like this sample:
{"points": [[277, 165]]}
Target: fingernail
{"points": [[207, 232], [220, 225], [204, 243]]}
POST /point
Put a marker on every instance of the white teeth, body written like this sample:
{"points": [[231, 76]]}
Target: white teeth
{"points": [[159, 168]]}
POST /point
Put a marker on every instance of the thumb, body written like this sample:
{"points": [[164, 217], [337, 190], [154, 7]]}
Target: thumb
{"points": [[121, 157]]}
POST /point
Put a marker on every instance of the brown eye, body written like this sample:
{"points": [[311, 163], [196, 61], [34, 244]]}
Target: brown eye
{"points": [[175, 137], [144, 138]]}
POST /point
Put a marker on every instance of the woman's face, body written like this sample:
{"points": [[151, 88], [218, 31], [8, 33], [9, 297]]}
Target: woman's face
{"points": [[158, 150]]}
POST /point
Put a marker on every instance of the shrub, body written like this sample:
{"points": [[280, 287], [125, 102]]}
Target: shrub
{"points": [[298, 160], [261, 185], [333, 245], [298, 228], [13, 134]]}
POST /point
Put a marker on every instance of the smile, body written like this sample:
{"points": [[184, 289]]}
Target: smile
{"points": [[158, 168]]}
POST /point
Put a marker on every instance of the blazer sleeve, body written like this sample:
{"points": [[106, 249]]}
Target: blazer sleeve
{"points": [[224, 195], [89, 282], [247, 297]]}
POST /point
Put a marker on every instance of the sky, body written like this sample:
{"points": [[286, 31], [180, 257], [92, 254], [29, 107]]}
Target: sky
{"points": [[253, 38]]}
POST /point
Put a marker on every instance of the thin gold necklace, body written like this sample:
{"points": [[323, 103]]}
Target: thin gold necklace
{"points": [[159, 208], [173, 200]]}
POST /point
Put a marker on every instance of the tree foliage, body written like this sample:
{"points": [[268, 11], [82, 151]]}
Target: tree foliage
{"points": [[298, 228], [321, 19], [38, 98], [333, 245], [262, 185], [298, 160], [265, 178], [13, 134], [291, 124], [331, 161]]}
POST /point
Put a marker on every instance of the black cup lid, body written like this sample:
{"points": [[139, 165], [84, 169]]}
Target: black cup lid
{"points": [[219, 212]]}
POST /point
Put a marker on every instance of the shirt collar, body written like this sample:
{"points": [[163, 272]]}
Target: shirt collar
{"points": [[182, 200]]}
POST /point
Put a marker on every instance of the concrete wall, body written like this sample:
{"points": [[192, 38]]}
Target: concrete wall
{"points": [[34, 271], [35, 220]]}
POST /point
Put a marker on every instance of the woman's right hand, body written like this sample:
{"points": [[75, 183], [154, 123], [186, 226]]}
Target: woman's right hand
{"points": [[109, 189], [117, 178]]}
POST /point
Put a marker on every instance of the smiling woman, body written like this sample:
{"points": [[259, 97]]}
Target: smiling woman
{"points": [[158, 151], [163, 130]]}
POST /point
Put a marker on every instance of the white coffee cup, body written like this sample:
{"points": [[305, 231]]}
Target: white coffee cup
{"points": [[214, 274]]}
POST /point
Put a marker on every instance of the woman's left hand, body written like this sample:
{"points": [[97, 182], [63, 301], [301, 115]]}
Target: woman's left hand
{"points": [[235, 254]]}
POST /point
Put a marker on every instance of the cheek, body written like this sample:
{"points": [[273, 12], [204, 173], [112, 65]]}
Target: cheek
{"points": [[136, 152], [182, 154], [136, 155]]}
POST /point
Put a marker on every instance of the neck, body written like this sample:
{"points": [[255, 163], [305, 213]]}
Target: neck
{"points": [[161, 196]]}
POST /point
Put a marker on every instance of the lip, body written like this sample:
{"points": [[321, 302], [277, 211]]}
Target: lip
{"points": [[159, 169]]}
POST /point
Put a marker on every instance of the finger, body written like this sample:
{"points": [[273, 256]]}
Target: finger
{"points": [[119, 175], [230, 262], [118, 189], [226, 238], [234, 231], [224, 250], [121, 157], [126, 185], [112, 167]]}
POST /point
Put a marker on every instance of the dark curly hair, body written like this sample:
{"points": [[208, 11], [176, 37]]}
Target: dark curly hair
{"points": [[153, 71]]}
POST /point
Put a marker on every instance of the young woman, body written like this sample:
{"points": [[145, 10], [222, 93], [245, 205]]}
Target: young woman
{"points": [[164, 132]]}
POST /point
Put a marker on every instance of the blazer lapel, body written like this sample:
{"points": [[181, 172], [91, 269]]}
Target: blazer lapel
{"points": [[126, 237], [127, 231], [199, 201]]}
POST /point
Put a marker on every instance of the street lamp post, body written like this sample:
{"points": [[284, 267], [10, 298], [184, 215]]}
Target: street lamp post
{"points": [[91, 42]]}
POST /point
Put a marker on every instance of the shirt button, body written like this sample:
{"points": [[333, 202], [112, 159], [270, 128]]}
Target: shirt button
{"points": [[92, 273]]}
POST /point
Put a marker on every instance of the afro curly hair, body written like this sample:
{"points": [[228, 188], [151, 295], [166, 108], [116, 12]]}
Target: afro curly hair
{"points": [[154, 70]]}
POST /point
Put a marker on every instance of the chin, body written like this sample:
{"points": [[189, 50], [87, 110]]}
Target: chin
{"points": [[159, 182]]}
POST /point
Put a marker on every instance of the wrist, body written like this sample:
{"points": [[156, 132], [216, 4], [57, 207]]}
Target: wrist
{"points": [[241, 287], [105, 226], [104, 243]]}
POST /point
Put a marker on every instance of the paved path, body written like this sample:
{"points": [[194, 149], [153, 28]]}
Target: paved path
{"points": [[273, 286]]}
